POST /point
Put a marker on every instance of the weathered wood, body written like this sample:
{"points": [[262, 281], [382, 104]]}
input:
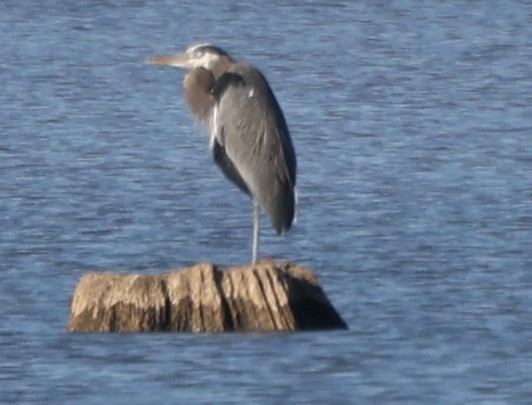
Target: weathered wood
{"points": [[267, 296]]}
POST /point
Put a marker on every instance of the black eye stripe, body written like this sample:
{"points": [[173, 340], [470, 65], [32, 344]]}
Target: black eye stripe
{"points": [[202, 50]]}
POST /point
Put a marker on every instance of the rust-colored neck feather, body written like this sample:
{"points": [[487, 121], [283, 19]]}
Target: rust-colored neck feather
{"points": [[198, 83]]}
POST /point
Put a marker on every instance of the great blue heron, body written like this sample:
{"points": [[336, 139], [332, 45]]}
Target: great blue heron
{"points": [[249, 136]]}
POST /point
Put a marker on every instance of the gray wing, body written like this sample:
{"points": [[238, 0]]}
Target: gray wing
{"points": [[251, 129], [228, 168]]}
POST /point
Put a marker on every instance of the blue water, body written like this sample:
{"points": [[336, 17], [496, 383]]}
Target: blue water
{"points": [[412, 123]]}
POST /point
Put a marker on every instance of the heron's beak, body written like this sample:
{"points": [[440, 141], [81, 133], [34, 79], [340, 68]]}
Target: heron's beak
{"points": [[180, 61]]}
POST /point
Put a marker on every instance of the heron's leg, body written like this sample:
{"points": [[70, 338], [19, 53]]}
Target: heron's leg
{"points": [[256, 229]]}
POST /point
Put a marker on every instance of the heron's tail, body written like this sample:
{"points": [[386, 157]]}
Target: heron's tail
{"points": [[282, 209]]}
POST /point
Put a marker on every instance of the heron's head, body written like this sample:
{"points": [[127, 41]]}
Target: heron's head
{"points": [[206, 56]]}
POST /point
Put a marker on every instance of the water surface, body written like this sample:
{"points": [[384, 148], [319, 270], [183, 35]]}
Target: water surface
{"points": [[412, 127]]}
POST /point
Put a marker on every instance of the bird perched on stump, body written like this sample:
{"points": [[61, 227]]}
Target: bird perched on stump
{"points": [[249, 139]]}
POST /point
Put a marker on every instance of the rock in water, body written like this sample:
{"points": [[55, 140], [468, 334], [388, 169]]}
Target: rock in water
{"points": [[264, 297]]}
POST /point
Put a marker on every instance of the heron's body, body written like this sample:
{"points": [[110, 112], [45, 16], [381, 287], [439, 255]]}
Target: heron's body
{"points": [[249, 139], [258, 149]]}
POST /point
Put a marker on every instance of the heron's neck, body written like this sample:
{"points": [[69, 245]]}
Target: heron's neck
{"points": [[223, 64]]}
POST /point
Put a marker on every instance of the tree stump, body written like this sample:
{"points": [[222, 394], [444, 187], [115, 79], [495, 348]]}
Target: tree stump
{"points": [[264, 297]]}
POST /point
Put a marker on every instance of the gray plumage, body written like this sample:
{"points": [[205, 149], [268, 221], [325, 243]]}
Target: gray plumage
{"points": [[249, 125]]}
